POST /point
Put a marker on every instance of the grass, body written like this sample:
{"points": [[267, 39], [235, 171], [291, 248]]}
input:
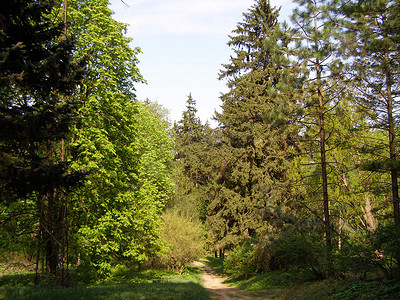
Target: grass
{"points": [[301, 285], [124, 285], [158, 284], [288, 285], [120, 291], [216, 264]]}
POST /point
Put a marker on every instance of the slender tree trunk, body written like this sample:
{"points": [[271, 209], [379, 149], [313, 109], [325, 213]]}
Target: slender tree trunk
{"points": [[52, 234], [322, 141], [392, 148], [64, 199], [324, 175], [39, 240]]}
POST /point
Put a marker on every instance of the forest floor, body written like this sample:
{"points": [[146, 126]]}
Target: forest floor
{"points": [[281, 284], [219, 289]]}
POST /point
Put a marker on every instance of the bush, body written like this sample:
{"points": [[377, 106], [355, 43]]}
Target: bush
{"points": [[289, 251], [248, 259], [184, 237], [301, 251], [386, 241], [356, 257]]}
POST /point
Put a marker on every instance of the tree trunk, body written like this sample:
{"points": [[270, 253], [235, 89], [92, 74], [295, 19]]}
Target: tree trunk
{"points": [[322, 141], [368, 215], [221, 253], [392, 148]]}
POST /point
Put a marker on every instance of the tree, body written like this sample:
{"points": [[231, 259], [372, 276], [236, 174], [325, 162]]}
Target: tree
{"points": [[192, 172], [38, 78], [256, 122], [116, 214], [156, 154], [38, 74], [372, 46], [315, 48]]}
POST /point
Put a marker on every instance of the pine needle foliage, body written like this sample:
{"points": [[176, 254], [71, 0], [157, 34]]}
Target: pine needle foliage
{"points": [[258, 138]]}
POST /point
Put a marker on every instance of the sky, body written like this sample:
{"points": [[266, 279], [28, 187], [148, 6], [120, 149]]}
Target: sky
{"points": [[184, 44]]}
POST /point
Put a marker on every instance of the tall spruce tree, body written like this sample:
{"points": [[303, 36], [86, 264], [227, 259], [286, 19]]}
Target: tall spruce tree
{"points": [[38, 77], [38, 74], [190, 160], [257, 140]]}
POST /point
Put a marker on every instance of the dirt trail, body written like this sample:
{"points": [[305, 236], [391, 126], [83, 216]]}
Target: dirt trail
{"points": [[216, 287]]}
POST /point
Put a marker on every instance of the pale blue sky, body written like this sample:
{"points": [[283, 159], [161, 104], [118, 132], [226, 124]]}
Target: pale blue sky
{"points": [[184, 46]]}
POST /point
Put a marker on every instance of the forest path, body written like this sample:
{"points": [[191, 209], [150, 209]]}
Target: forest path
{"points": [[218, 290]]}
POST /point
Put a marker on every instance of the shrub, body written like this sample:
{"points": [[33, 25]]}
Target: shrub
{"points": [[295, 250], [290, 251], [184, 236], [248, 259]]}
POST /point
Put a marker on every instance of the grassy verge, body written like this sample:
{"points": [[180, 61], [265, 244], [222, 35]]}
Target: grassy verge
{"points": [[300, 285], [216, 264], [124, 285]]}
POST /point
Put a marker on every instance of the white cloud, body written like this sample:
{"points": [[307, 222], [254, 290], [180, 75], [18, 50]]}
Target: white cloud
{"points": [[211, 7], [184, 46], [181, 16], [212, 17]]}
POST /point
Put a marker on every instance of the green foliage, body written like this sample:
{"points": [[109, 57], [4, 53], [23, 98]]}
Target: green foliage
{"points": [[368, 290], [294, 250], [257, 137], [38, 76], [245, 261], [278, 280], [184, 236], [193, 143], [124, 144], [125, 285], [357, 257], [371, 44]]}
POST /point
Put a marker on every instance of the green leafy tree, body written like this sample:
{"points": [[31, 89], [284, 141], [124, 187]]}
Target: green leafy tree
{"points": [[184, 236], [156, 153], [114, 216]]}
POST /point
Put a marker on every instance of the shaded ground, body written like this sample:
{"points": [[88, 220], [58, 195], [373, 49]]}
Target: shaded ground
{"points": [[218, 289]]}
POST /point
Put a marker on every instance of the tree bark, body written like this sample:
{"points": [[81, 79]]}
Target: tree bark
{"points": [[392, 148], [322, 141]]}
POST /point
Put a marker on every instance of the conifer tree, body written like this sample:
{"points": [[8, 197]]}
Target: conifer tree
{"points": [[372, 42], [190, 160], [315, 49], [38, 77], [257, 136]]}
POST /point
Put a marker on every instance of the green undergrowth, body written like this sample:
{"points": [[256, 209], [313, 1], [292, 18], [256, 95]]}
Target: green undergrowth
{"points": [[290, 286], [215, 263], [123, 284], [302, 285]]}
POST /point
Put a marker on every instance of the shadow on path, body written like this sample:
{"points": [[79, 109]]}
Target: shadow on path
{"points": [[218, 289]]}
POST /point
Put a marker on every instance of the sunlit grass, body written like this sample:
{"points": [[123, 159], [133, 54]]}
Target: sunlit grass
{"points": [[124, 285], [217, 264], [155, 290]]}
